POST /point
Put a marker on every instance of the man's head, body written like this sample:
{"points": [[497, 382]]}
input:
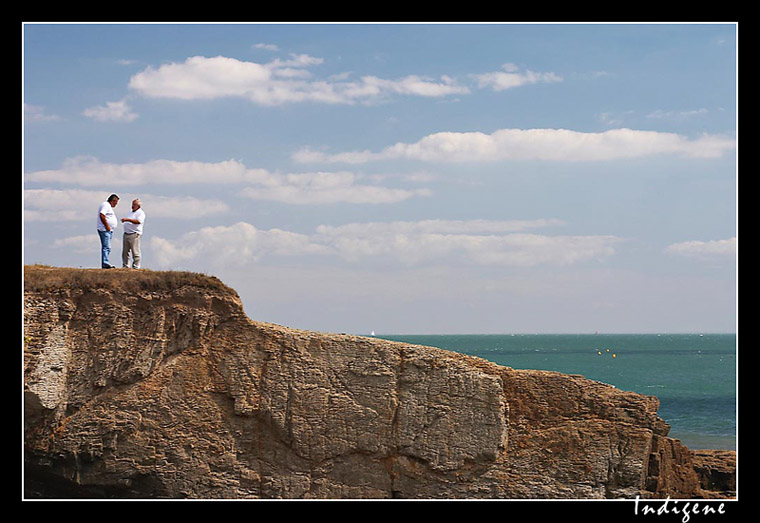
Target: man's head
{"points": [[136, 204], [113, 200]]}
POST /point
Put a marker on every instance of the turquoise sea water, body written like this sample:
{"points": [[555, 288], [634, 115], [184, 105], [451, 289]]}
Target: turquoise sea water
{"points": [[693, 375]]}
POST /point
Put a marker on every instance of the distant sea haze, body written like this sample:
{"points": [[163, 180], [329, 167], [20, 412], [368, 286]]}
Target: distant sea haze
{"points": [[693, 375]]}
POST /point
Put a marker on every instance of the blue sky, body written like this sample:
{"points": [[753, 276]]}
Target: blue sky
{"points": [[401, 178]]}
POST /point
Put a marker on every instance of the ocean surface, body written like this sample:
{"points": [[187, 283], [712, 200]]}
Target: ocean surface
{"points": [[693, 375]]}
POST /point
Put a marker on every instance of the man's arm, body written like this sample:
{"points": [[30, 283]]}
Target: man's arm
{"points": [[105, 222], [131, 220]]}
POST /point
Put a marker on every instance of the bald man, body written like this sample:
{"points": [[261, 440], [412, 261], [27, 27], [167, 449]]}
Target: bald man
{"points": [[133, 228]]}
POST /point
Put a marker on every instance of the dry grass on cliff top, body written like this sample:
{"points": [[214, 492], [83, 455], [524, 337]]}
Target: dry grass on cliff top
{"points": [[46, 278]]}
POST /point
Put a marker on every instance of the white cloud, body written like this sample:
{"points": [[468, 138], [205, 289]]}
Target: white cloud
{"points": [[181, 207], [534, 144], [111, 112], [278, 82], [481, 242], [259, 184], [511, 77], [87, 243], [659, 114], [308, 155], [410, 177], [89, 171], [411, 85], [614, 119], [339, 77], [36, 113], [378, 229], [235, 245], [296, 60], [431, 242], [45, 205], [704, 249], [324, 188], [267, 47], [199, 77], [50, 205]]}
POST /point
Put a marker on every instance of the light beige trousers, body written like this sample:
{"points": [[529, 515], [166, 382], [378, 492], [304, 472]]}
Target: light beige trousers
{"points": [[131, 244]]}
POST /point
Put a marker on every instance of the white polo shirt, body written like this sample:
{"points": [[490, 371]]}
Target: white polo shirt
{"points": [[106, 210], [130, 227]]}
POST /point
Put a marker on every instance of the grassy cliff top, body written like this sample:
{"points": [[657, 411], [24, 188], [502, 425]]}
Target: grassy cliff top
{"points": [[39, 278]]}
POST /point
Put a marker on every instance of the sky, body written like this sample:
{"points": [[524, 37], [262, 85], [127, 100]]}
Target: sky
{"points": [[473, 178]]}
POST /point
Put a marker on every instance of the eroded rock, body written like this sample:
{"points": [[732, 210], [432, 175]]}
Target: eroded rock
{"points": [[136, 389]]}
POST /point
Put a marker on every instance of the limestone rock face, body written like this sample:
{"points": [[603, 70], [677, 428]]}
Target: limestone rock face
{"points": [[717, 471], [157, 385]]}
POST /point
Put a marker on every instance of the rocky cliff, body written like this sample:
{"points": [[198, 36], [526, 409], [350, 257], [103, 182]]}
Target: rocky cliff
{"points": [[141, 384]]}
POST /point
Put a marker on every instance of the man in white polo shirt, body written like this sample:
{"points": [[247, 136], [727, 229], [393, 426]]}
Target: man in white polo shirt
{"points": [[106, 224], [133, 228]]}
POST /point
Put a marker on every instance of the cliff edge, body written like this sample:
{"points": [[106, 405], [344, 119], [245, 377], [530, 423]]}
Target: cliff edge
{"points": [[143, 384]]}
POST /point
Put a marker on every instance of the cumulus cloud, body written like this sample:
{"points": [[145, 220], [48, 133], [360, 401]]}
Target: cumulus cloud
{"points": [[534, 144], [199, 77], [43, 205], [111, 112], [274, 83], [51, 205], [430, 242], [237, 244], [259, 184], [510, 77], [704, 249]]}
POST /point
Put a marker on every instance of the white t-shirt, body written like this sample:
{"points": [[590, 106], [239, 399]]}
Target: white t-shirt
{"points": [[130, 227], [106, 210]]}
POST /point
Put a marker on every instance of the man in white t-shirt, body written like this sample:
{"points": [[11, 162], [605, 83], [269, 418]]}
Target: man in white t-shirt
{"points": [[133, 227], [106, 224]]}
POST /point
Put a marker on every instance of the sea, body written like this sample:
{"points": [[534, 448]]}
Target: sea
{"points": [[693, 375]]}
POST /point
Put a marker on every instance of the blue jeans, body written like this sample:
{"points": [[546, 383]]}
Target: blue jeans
{"points": [[105, 247]]}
